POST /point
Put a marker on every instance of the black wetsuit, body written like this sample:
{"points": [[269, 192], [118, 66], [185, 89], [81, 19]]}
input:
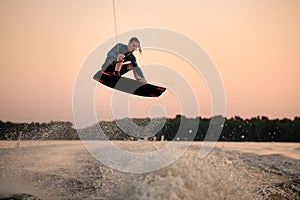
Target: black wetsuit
{"points": [[111, 60]]}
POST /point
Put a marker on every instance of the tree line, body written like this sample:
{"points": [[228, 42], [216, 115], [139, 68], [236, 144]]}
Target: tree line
{"points": [[259, 129], [37, 131]]}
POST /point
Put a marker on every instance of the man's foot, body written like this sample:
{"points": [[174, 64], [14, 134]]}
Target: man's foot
{"points": [[117, 73]]}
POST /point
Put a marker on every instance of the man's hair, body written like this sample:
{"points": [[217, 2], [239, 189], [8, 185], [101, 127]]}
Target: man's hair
{"points": [[135, 39]]}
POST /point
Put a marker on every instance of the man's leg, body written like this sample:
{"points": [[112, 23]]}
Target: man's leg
{"points": [[118, 68], [126, 68]]}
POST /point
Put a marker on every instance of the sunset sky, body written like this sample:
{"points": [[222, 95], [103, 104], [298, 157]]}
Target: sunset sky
{"points": [[254, 44]]}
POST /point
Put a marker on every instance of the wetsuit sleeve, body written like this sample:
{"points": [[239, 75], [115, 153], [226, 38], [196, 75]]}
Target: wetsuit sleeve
{"points": [[139, 72], [136, 67], [112, 55]]}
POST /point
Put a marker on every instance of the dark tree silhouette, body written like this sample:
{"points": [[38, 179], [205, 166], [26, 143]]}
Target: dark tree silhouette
{"points": [[259, 129]]}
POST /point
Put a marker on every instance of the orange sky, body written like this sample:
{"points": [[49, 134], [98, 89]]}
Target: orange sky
{"points": [[254, 44]]}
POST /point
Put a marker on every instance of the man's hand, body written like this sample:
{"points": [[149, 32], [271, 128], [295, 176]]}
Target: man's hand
{"points": [[120, 57], [142, 80]]}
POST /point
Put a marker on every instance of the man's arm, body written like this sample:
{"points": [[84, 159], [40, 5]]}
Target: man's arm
{"points": [[113, 53], [138, 77]]}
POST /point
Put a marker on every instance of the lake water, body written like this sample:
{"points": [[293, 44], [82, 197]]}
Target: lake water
{"points": [[67, 170]]}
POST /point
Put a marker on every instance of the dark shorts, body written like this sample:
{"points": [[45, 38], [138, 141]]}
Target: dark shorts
{"points": [[125, 68]]}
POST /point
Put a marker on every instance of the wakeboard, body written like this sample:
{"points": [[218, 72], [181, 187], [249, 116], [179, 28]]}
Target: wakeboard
{"points": [[128, 85]]}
